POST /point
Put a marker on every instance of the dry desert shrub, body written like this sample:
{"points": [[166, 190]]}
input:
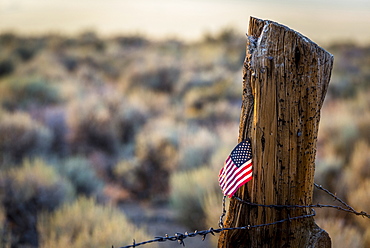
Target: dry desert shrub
{"points": [[159, 79], [359, 199], [212, 206], [79, 171], [342, 234], [357, 171], [84, 223], [27, 190], [26, 93], [156, 152], [91, 126], [20, 136], [196, 146], [188, 190]]}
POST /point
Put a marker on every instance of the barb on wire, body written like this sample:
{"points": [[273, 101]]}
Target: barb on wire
{"points": [[333, 195], [350, 209], [179, 237]]}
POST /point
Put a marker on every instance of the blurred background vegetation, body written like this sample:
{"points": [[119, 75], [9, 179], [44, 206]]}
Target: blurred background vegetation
{"points": [[103, 140]]}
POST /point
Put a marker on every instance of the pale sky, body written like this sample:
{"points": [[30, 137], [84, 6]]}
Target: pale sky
{"points": [[320, 20]]}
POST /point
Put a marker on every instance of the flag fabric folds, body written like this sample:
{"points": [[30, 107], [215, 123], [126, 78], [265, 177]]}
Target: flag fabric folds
{"points": [[237, 168]]}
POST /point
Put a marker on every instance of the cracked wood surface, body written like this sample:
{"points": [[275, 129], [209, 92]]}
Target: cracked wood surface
{"points": [[285, 79]]}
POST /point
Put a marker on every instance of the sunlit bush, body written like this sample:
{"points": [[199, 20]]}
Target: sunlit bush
{"points": [[160, 79], [55, 120], [357, 170], [350, 71], [35, 181], [28, 189], [156, 152], [127, 173], [360, 161], [341, 233], [130, 120], [196, 147], [81, 174], [92, 126], [367, 238], [87, 224], [212, 207], [339, 132], [27, 93], [21, 136], [188, 191], [212, 101], [359, 199]]}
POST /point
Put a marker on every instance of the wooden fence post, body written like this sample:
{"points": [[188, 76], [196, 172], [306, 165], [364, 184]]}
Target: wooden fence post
{"points": [[285, 80]]}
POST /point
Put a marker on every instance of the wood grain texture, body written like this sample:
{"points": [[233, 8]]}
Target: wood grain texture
{"points": [[285, 80]]}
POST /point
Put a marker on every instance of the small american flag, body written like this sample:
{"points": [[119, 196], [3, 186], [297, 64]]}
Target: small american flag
{"points": [[237, 169]]}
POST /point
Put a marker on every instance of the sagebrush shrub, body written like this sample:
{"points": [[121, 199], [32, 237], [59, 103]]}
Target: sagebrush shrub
{"points": [[160, 79], [27, 93], [341, 233], [359, 199], [27, 190], [357, 170], [212, 207], [21, 136], [81, 174], [360, 160], [130, 120], [92, 126], [211, 102], [55, 120], [188, 191], [84, 223], [197, 145], [156, 153], [127, 172]]}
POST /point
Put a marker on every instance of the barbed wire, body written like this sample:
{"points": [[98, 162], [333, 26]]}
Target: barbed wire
{"points": [[180, 237], [349, 210], [333, 195]]}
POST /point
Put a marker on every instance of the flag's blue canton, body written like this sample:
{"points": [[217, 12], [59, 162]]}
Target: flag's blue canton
{"points": [[241, 153]]}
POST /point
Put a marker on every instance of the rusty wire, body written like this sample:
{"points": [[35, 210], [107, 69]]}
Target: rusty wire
{"points": [[180, 237]]}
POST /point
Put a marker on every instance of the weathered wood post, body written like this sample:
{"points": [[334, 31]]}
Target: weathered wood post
{"points": [[285, 80]]}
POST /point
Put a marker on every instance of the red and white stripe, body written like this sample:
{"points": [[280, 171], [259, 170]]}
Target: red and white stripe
{"points": [[231, 178]]}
